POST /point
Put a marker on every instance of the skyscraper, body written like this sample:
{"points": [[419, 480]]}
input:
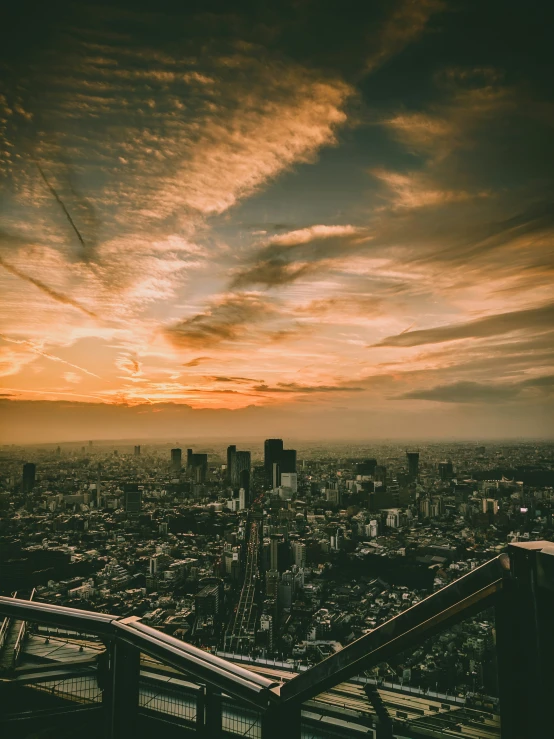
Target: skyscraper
{"points": [[29, 475], [137, 450], [176, 460], [273, 449], [242, 463], [199, 466], [231, 453], [132, 498], [287, 462], [413, 465]]}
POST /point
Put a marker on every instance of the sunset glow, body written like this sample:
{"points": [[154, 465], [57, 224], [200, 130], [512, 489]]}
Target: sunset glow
{"points": [[220, 220]]}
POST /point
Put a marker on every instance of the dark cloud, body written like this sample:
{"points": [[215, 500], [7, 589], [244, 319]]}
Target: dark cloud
{"points": [[195, 362], [293, 387], [227, 320], [533, 319], [475, 392]]}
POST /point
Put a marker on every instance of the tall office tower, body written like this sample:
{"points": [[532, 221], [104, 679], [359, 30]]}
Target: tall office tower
{"points": [[29, 475], [176, 460], [133, 498], [276, 475], [242, 499], [189, 459], [137, 450], [413, 464], [273, 448], [242, 462], [98, 485], [231, 453], [274, 542], [58, 451], [446, 471], [287, 462], [367, 467], [199, 465], [244, 483], [380, 475], [299, 553]]}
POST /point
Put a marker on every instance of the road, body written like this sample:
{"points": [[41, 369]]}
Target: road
{"points": [[243, 624]]}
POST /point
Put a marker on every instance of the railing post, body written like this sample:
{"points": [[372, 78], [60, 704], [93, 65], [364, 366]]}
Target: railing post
{"points": [[525, 642], [211, 723], [122, 691], [282, 721]]}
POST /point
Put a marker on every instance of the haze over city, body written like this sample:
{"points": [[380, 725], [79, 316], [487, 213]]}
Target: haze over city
{"points": [[263, 220]]}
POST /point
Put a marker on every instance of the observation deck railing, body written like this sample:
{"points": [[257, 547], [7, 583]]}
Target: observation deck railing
{"points": [[212, 697]]}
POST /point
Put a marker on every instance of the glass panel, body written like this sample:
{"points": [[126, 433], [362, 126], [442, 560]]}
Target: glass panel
{"points": [[165, 690], [240, 720], [447, 684]]}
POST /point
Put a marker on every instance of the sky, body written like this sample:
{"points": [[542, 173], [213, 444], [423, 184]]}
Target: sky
{"points": [[253, 218]]}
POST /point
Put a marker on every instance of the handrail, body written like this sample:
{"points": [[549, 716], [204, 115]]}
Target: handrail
{"points": [[471, 592], [232, 679], [20, 637]]}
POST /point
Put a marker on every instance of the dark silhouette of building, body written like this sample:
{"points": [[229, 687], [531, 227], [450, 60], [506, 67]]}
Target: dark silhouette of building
{"points": [[209, 601], [413, 465], [176, 460], [189, 459], [137, 450], [242, 463], [446, 471], [277, 460], [199, 467], [132, 498], [273, 449], [29, 476], [367, 467], [380, 475], [288, 461], [231, 453]]}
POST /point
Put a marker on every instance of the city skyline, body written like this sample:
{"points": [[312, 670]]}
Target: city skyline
{"points": [[293, 223]]}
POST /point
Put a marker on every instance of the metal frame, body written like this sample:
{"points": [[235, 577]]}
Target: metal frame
{"points": [[519, 585]]}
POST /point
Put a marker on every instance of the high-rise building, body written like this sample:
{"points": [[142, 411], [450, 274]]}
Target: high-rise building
{"points": [[242, 462], [367, 467], [380, 475], [231, 454], [29, 476], [287, 462], [299, 553], [273, 449], [413, 465], [176, 460], [137, 450], [132, 498], [199, 466], [289, 480], [189, 459], [446, 471], [242, 499]]}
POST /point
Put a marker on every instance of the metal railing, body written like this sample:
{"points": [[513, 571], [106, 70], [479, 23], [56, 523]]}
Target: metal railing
{"points": [[145, 672]]}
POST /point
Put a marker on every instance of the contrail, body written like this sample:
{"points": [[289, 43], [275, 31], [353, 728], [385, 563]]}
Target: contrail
{"points": [[60, 203], [60, 297], [36, 350]]}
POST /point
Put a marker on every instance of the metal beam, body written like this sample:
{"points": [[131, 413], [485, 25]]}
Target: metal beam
{"points": [[245, 685], [525, 642], [471, 593], [71, 618]]}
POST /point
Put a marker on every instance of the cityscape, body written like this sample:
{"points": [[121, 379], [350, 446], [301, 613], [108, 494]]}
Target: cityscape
{"points": [[276, 369], [274, 554]]}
